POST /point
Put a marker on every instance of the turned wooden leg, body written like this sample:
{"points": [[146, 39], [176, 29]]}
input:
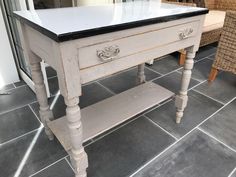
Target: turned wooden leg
{"points": [[141, 73], [182, 98], [182, 57], [213, 74], [46, 114], [78, 156]]}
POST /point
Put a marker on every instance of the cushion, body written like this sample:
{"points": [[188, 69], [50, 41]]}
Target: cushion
{"points": [[214, 20]]}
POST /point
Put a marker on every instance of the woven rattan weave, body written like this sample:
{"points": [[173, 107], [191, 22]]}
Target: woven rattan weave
{"points": [[226, 51]]}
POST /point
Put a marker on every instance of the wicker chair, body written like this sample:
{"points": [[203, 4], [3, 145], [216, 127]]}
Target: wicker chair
{"points": [[226, 52], [222, 5], [210, 35]]}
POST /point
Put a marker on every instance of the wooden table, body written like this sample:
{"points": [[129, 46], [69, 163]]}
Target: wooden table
{"points": [[87, 43]]}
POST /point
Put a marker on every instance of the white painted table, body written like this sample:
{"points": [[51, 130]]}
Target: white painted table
{"points": [[87, 43]]}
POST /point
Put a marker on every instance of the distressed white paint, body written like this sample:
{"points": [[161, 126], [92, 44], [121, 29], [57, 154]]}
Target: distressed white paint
{"points": [[77, 62], [8, 72]]}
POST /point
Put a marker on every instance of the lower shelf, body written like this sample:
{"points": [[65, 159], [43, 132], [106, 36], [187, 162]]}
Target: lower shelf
{"points": [[112, 111]]}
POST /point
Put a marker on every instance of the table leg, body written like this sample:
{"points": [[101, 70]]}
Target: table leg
{"points": [[78, 156], [182, 98], [46, 114], [141, 73]]}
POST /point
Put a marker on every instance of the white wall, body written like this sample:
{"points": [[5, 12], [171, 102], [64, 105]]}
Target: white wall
{"points": [[8, 72]]}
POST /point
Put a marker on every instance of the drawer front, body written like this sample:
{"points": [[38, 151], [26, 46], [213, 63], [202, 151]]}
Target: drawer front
{"points": [[109, 51]]}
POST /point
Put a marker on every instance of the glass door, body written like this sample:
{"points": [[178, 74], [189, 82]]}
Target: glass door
{"points": [[8, 6], [14, 33]]}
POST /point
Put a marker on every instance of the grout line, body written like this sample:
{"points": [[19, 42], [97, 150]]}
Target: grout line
{"points": [[234, 170], [48, 166], [25, 85], [13, 109], [169, 147], [209, 97], [17, 108], [150, 69], [13, 139], [213, 137], [156, 124], [217, 111], [163, 75], [192, 78], [69, 164], [107, 89], [142, 167], [14, 85], [35, 114], [197, 85], [211, 56], [181, 67], [201, 59], [206, 57], [52, 77]]}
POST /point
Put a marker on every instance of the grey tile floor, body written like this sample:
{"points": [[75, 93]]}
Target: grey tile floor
{"points": [[149, 145]]}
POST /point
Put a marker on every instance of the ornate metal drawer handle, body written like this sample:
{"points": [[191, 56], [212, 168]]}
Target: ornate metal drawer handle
{"points": [[108, 53], [185, 33]]}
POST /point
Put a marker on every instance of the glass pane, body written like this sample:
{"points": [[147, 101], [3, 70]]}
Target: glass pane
{"points": [[15, 34], [10, 6], [45, 4], [22, 61]]}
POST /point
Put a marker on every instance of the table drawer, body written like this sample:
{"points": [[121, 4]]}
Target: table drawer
{"points": [[108, 51]]}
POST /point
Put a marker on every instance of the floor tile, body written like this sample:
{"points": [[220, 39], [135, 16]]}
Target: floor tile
{"points": [[166, 64], [125, 150], [53, 86], [212, 57], [18, 98], [50, 72], [201, 70], [223, 124], [17, 123], [20, 83], [222, 89], [6, 87], [172, 82], [205, 52], [92, 93], [126, 80], [194, 114], [234, 174], [59, 169], [196, 156], [32, 152]]}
